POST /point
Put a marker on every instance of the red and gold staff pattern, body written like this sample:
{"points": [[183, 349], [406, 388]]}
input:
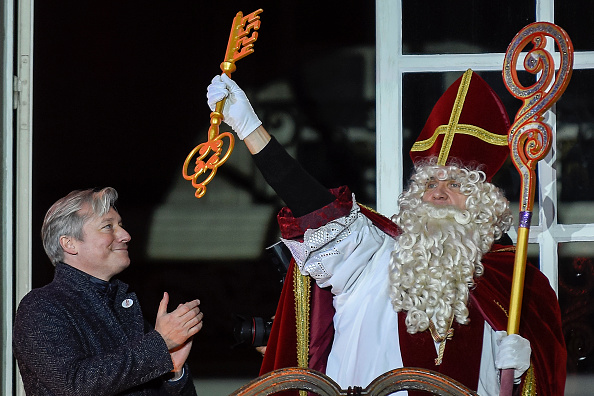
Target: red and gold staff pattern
{"points": [[530, 137], [240, 45]]}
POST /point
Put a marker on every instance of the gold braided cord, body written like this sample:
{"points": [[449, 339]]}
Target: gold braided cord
{"points": [[454, 117], [505, 249], [502, 308], [301, 288], [441, 339], [464, 129], [439, 358]]}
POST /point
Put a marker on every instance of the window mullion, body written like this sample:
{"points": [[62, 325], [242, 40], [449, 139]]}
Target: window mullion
{"points": [[547, 204], [389, 180]]}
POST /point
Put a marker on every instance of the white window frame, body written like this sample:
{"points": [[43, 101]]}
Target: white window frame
{"points": [[391, 64], [17, 149], [7, 201]]}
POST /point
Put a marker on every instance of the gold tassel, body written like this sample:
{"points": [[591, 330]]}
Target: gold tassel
{"points": [[441, 339]]}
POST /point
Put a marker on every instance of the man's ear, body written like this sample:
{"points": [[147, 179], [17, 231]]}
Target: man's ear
{"points": [[68, 245]]}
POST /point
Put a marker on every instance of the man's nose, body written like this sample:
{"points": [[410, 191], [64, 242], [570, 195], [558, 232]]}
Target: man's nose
{"points": [[123, 235], [439, 192]]}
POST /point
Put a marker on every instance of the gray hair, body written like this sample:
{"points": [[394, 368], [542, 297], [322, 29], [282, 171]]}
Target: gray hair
{"points": [[65, 218]]}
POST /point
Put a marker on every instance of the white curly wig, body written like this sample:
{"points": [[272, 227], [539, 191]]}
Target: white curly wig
{"points": [[438, 255]]}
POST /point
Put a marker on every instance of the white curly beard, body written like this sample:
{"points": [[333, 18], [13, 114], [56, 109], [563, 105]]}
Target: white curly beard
{"points": [[433, 265]]}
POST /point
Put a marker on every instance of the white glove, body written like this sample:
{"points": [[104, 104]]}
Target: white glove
{"points": [[237, 112], [513, 352]]}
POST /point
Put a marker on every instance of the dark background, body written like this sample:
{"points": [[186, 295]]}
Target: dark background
{"points": [[119, 97]]}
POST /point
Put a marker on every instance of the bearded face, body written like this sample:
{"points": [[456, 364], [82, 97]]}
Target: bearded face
{"points": [[437, 257]]}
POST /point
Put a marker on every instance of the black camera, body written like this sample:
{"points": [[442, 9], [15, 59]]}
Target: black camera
{"points": [[280, 255], [253, 330]]}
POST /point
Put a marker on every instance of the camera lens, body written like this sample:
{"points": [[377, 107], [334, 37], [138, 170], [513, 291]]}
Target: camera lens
{"points": [[251, 330]]}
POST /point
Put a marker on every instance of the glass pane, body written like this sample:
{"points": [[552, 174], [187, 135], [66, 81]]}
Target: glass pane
{"points": [[420, 93], [576, 297], [575, 150], [468, 26], [533, 253], [334, 117], [577, 19]]}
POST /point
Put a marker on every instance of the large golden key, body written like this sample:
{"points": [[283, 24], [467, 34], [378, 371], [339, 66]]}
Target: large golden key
{"points": [[241, 44]]}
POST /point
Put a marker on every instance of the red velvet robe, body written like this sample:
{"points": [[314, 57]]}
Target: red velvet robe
{"points": [[489, 300]]}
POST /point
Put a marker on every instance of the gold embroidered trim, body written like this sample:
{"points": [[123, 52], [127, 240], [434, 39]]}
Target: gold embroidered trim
{"points": [[464, 129], [441, 339], [301, 288], [369, 208], [453, 127], [454, 117], [529, 383]]}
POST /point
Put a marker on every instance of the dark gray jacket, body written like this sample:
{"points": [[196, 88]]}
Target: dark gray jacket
{"points": [[70, 339]]}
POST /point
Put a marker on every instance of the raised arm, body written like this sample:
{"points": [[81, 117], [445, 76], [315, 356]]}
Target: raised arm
{"points": [[293, 184], [257, 140], [238, 112]]}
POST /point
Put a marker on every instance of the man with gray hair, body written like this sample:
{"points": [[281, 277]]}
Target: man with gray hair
{"points": [[84, 333]]}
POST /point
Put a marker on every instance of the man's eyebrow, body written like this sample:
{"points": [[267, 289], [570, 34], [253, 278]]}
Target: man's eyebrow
{"points": [[110, 219]]}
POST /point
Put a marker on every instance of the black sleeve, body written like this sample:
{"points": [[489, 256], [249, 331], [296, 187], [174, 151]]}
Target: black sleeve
{"points": [[301, 192]]}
